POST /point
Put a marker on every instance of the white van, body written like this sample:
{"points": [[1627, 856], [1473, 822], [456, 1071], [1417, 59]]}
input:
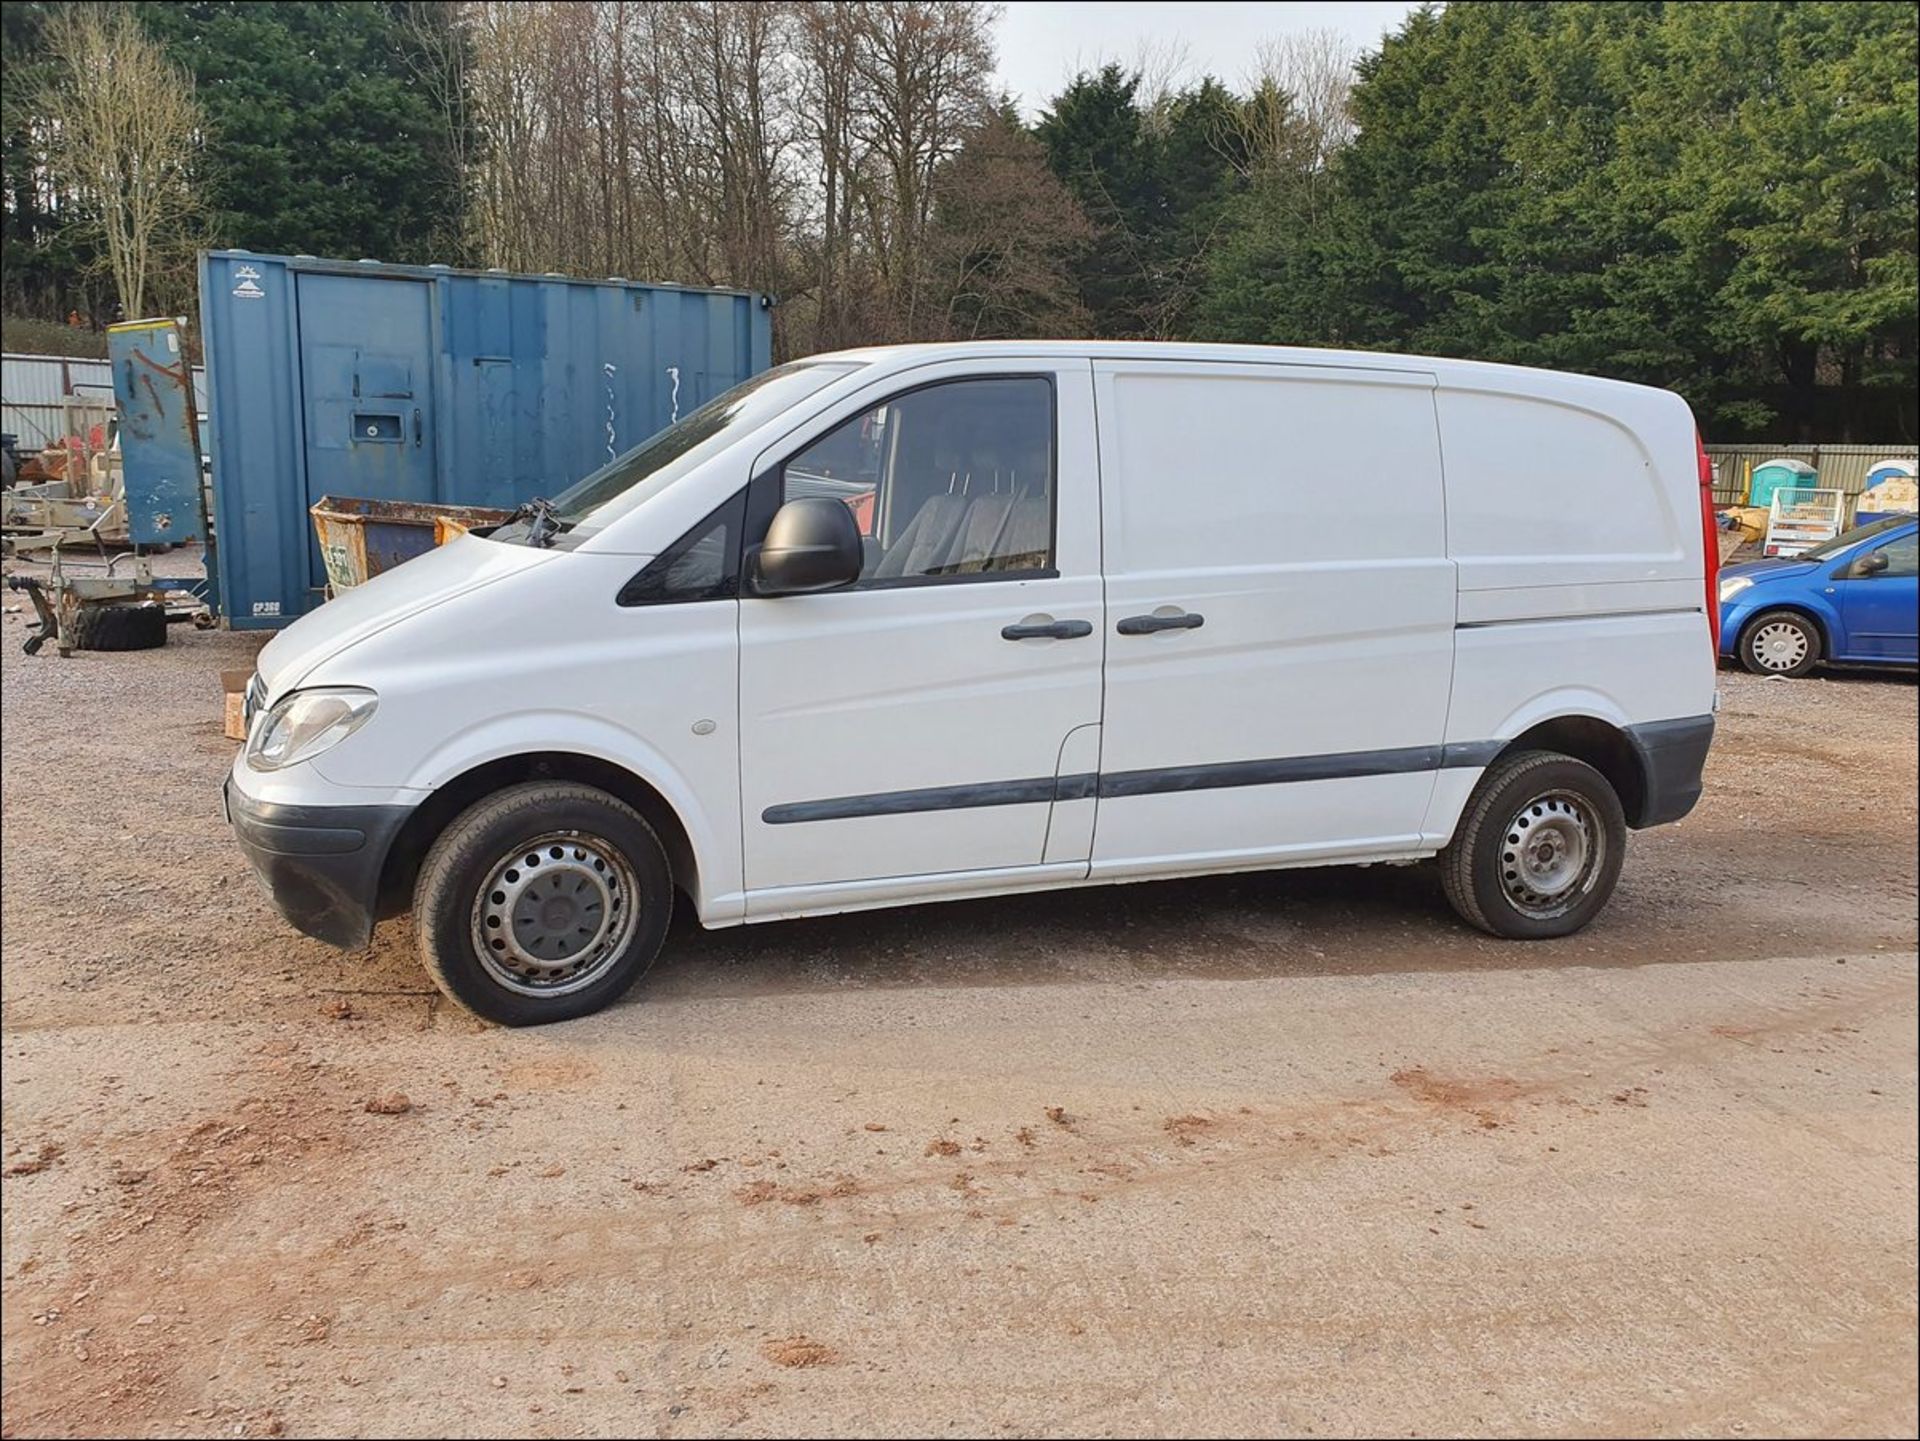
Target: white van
{"points": [[899, 625]]}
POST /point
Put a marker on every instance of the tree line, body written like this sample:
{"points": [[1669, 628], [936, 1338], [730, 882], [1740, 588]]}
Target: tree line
{"points": [[1716, 197]]}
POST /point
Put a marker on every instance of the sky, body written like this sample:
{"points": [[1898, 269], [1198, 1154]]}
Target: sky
{"points": [[1042, 45]]}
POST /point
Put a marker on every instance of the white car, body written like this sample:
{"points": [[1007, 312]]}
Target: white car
{"points": [[1071, 613]]}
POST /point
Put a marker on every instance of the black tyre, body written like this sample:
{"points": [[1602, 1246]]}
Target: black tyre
{"points": [[1780, 642], [541, 903], [116, 627], [1539, 848]]}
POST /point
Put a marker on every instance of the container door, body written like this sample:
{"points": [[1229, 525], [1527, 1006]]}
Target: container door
{"points": [[915, 725], [1280, 613], [366, 364]]}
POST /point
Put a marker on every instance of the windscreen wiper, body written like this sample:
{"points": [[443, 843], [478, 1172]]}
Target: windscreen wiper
{"points": [[543, 521]]}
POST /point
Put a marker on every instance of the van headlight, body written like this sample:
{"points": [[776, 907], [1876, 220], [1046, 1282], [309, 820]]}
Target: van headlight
{"points": [[1732, 586], [308, 723]]}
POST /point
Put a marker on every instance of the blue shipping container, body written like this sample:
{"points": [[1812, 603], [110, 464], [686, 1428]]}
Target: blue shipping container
{"points": [[425, 383]]}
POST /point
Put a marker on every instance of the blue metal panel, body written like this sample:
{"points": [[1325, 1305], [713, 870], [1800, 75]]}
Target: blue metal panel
{"points": [[255, 436], [320, 371], [159, 440]]}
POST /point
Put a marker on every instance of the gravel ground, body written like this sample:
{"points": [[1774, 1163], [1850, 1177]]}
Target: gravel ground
{"points": [[1278, 1153]]}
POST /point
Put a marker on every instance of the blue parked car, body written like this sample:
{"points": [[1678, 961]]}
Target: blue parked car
{"points": [[1853, 599]]}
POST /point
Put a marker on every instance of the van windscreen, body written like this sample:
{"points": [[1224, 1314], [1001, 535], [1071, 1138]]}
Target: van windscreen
{"points": [[657, 462]]}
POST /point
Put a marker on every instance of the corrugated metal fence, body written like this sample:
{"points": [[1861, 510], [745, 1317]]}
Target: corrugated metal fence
{"points": [[36, 390], [1841, 467]]}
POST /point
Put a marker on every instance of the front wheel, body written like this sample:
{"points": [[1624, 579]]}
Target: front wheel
{"points": [[543, 902], [1780, 642], [1539, 848]]}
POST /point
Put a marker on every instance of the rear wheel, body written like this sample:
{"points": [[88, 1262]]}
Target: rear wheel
{"points": [[1780, 642], [1539, 848], [544, 902]]}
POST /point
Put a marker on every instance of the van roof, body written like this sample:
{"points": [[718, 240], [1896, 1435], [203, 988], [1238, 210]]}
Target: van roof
{"points": [[1471, 373]]}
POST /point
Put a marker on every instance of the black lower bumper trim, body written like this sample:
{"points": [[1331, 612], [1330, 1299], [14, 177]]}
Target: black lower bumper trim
{"points": [[1673, 753], [320, 864]]}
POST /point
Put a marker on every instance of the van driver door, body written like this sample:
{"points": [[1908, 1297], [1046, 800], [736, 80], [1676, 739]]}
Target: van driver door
{"points": [[935, 725]]}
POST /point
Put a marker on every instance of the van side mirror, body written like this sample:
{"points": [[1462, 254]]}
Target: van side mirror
{"points": [[812, 544]]}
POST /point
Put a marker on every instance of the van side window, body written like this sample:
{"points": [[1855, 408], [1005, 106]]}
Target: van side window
{"points": [[952, 479], [704, 564]]}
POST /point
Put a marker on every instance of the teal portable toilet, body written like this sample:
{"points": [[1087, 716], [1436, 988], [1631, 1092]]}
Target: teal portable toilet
{"points": [[1781, 473]]}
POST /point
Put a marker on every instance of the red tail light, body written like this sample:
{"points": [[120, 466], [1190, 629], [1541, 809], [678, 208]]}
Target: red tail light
{"points": [[1709, 540]]}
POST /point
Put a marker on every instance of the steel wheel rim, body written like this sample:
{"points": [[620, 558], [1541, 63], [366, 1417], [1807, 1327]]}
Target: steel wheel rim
{"points": [[1551, 854], [1779, 646], [555, 913]]}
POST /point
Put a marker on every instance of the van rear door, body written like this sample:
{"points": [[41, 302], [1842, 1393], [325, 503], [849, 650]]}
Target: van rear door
{"points": [[1280, 613]]}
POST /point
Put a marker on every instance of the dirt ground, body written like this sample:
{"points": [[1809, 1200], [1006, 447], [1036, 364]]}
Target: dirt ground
{"points": [[1280, 1154]]}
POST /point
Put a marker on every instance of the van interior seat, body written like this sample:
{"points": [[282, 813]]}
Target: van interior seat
{"points": [[989, 508], [927, 541], [1027, 541], [980, 534]]}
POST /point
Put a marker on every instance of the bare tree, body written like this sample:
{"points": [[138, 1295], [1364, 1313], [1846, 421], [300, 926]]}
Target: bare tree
{"points": [[1164, 68], [1301, 112], [831, 99], [1005, 238], [126, 130], [437, 59], [761, 143], [508, 43], [741, 107], [924, 67]]}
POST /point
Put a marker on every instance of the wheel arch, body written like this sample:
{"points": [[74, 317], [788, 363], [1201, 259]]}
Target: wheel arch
{"points": [[432, 816], [1605, 746]]}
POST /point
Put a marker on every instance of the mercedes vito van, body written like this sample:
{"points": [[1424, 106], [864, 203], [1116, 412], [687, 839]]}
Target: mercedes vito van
{"points": [[899, 625]]}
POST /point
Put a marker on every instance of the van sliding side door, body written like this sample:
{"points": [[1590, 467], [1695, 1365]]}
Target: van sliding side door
{"points": [[1280, 613]]}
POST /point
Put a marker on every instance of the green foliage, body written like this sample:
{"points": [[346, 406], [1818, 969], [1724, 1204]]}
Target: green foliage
{"points": [[1715, 197], [1097, 144], [323, 138], [46, 264], [1154, 185], [49, 337]]}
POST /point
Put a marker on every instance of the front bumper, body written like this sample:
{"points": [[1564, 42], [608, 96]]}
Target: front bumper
{"points": [[1733, 620], [320, 864]]}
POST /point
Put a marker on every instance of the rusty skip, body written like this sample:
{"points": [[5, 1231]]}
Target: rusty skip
{"points": [[362, 538]]}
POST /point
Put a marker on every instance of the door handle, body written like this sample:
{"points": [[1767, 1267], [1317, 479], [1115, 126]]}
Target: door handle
{"points": [[1052, 630], [416, 427], [1148, 624]]}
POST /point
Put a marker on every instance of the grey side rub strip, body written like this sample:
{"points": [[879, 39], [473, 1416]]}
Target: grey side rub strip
{"points": [[1585, 616], [933, 798], [1344, 766]]}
